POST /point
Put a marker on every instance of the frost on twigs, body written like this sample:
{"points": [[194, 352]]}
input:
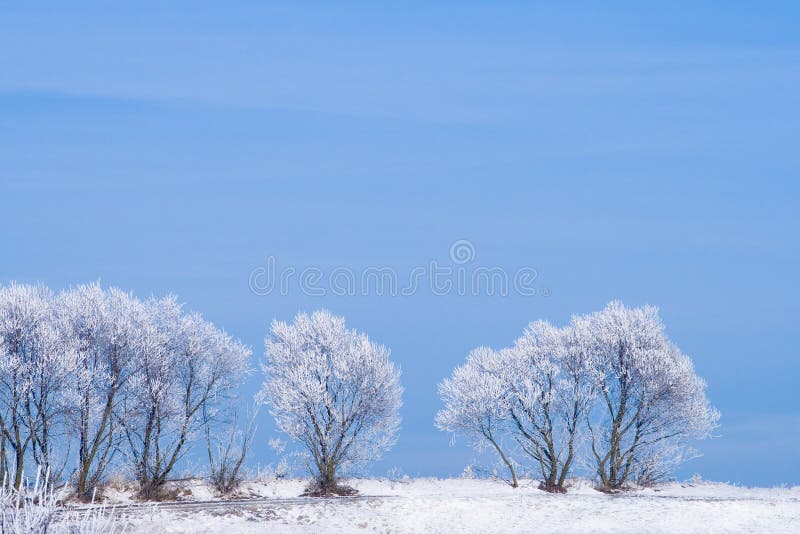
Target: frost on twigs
{"points": [[27, 509], [333, 391]]}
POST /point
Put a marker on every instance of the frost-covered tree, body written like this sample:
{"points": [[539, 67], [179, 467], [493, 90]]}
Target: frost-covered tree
{"points": [[475, 404], [615, 370], [536, 392], [548, 379], [651, 402], [333, 390], [48, 406], [114, 374], [186, 366], [35, 361], [229, 448], [107, 326]]}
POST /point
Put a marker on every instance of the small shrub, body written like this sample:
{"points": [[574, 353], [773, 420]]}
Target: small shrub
{"points": [[318, 489]]}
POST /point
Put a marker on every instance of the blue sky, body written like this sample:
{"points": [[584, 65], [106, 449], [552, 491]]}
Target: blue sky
{"points": [[646, 153]]}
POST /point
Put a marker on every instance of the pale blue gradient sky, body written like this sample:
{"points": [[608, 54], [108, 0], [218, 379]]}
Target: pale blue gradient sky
{"points": [[646, 153]]}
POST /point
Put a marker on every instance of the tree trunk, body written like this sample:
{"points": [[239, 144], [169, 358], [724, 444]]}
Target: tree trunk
{"points": [[514, 482], [2, 455]]}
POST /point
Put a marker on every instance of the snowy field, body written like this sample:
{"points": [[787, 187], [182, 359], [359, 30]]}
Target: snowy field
{"points": [[464, 505]]}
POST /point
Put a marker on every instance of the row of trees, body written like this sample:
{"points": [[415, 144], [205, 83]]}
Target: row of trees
{"points": [[608, 392], [609, 389], [93, 377]]}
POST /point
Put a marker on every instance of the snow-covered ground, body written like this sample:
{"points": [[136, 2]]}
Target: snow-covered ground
{"points": [[468, 505]]}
